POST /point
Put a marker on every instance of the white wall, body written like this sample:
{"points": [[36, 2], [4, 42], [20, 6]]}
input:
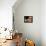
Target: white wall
{"points": [[6, 13], [43, 22], [30, 30]]}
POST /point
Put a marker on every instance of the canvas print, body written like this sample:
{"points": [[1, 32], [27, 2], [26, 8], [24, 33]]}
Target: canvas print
{"points": [[28, 19]]}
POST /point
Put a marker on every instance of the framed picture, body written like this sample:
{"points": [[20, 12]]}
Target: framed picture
{"points": [[28, 19]]}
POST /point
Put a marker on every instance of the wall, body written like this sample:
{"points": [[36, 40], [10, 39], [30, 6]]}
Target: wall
{"points": [[43, 22], [29, 30]]}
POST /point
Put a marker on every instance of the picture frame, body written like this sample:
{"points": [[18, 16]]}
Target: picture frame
{"points": [[28, 19]]}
